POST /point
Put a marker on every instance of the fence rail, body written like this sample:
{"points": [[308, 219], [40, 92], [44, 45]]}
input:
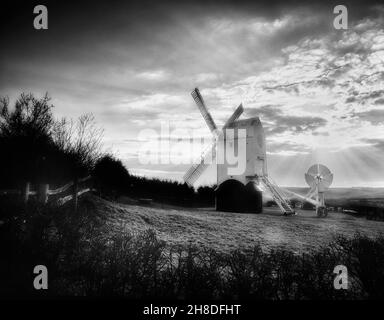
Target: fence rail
{"points": [[43, 192]]}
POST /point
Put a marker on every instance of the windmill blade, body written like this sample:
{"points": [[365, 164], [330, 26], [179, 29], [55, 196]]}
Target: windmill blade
{"points": [[326, 181], [328, 178], [312, 174], [323, 170], [204, 111], [197, 169], [313, 170], [310, 179], [239, 110], [319, 175]]}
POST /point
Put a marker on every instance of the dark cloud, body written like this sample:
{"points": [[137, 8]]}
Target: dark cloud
{"points": [[301, 124], [366, 97], [89, 24], [267, 111], [377, 143], [317, 133], [325, 80], [350, 99], [373, 94], [98, 38], [285, 123], [374, 116]]}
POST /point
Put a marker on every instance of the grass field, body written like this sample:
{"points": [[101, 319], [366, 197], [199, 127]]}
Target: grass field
{"points": [[224, 231]]}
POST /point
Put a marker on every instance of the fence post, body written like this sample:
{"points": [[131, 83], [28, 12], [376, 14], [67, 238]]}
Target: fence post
{"points": [[75, 191], [43, 193], [25, 192]]}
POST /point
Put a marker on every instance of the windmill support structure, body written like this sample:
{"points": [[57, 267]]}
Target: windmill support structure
{"points": [[278, 195]]}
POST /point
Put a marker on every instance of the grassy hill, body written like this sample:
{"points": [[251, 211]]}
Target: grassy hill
{"points": [[225, 231]]}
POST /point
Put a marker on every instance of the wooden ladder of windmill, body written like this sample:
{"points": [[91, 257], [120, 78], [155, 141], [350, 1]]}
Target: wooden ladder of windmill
{"points": [[278, 196]]}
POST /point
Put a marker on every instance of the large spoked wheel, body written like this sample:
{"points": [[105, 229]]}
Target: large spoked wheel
{"points": [[322, 212]]}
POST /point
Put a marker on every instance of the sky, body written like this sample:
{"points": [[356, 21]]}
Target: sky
{"points": [[319, 92]]}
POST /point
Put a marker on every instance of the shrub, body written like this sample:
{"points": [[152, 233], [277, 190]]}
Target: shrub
{"points": [[112, 178], [206, 194], [366, 258]]}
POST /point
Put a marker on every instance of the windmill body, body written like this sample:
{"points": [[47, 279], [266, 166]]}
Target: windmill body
{"points": [[255, 161]]}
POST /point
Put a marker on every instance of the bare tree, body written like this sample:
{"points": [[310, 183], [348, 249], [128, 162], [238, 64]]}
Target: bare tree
{"points": [[31, 116], [80, 140], [25, 138]]}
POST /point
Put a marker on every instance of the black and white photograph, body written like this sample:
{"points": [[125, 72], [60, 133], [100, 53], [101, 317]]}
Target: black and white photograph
{"points": [[167, 152]]}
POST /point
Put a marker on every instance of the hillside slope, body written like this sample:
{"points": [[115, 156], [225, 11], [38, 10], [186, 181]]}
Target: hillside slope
{"points": [[224, 231]]}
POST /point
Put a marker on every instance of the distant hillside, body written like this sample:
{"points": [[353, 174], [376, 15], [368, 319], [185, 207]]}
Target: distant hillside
{"points": [[347, 193], [368, 202]]}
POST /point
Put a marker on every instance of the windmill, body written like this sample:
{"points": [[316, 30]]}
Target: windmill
{"points": [[319, 178], [237, 192]]}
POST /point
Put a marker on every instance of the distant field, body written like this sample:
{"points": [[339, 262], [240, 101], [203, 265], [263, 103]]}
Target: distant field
{"points": [[347, 193], [224, 231], [349, 197]]}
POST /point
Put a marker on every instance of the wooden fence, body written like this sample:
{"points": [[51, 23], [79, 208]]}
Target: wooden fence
{"points": [[43, 193]]}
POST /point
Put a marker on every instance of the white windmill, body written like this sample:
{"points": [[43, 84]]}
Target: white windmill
{"points": [[237, 192], [319, 178]]}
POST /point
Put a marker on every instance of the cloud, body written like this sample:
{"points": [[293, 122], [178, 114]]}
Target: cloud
{"points": [[301, 124], [277, 122], [377, 143], [318, 133], [287, 148], [374, 116], [153, 75], [133, 64]]}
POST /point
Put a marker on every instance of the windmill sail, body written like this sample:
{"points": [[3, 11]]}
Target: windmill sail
{"points": [[239, 110], [209, 154], [319, 176], [197, 169], [204, 111]]}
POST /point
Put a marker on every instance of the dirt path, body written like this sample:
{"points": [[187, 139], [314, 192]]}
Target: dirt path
{"points": [[224, 231]]}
